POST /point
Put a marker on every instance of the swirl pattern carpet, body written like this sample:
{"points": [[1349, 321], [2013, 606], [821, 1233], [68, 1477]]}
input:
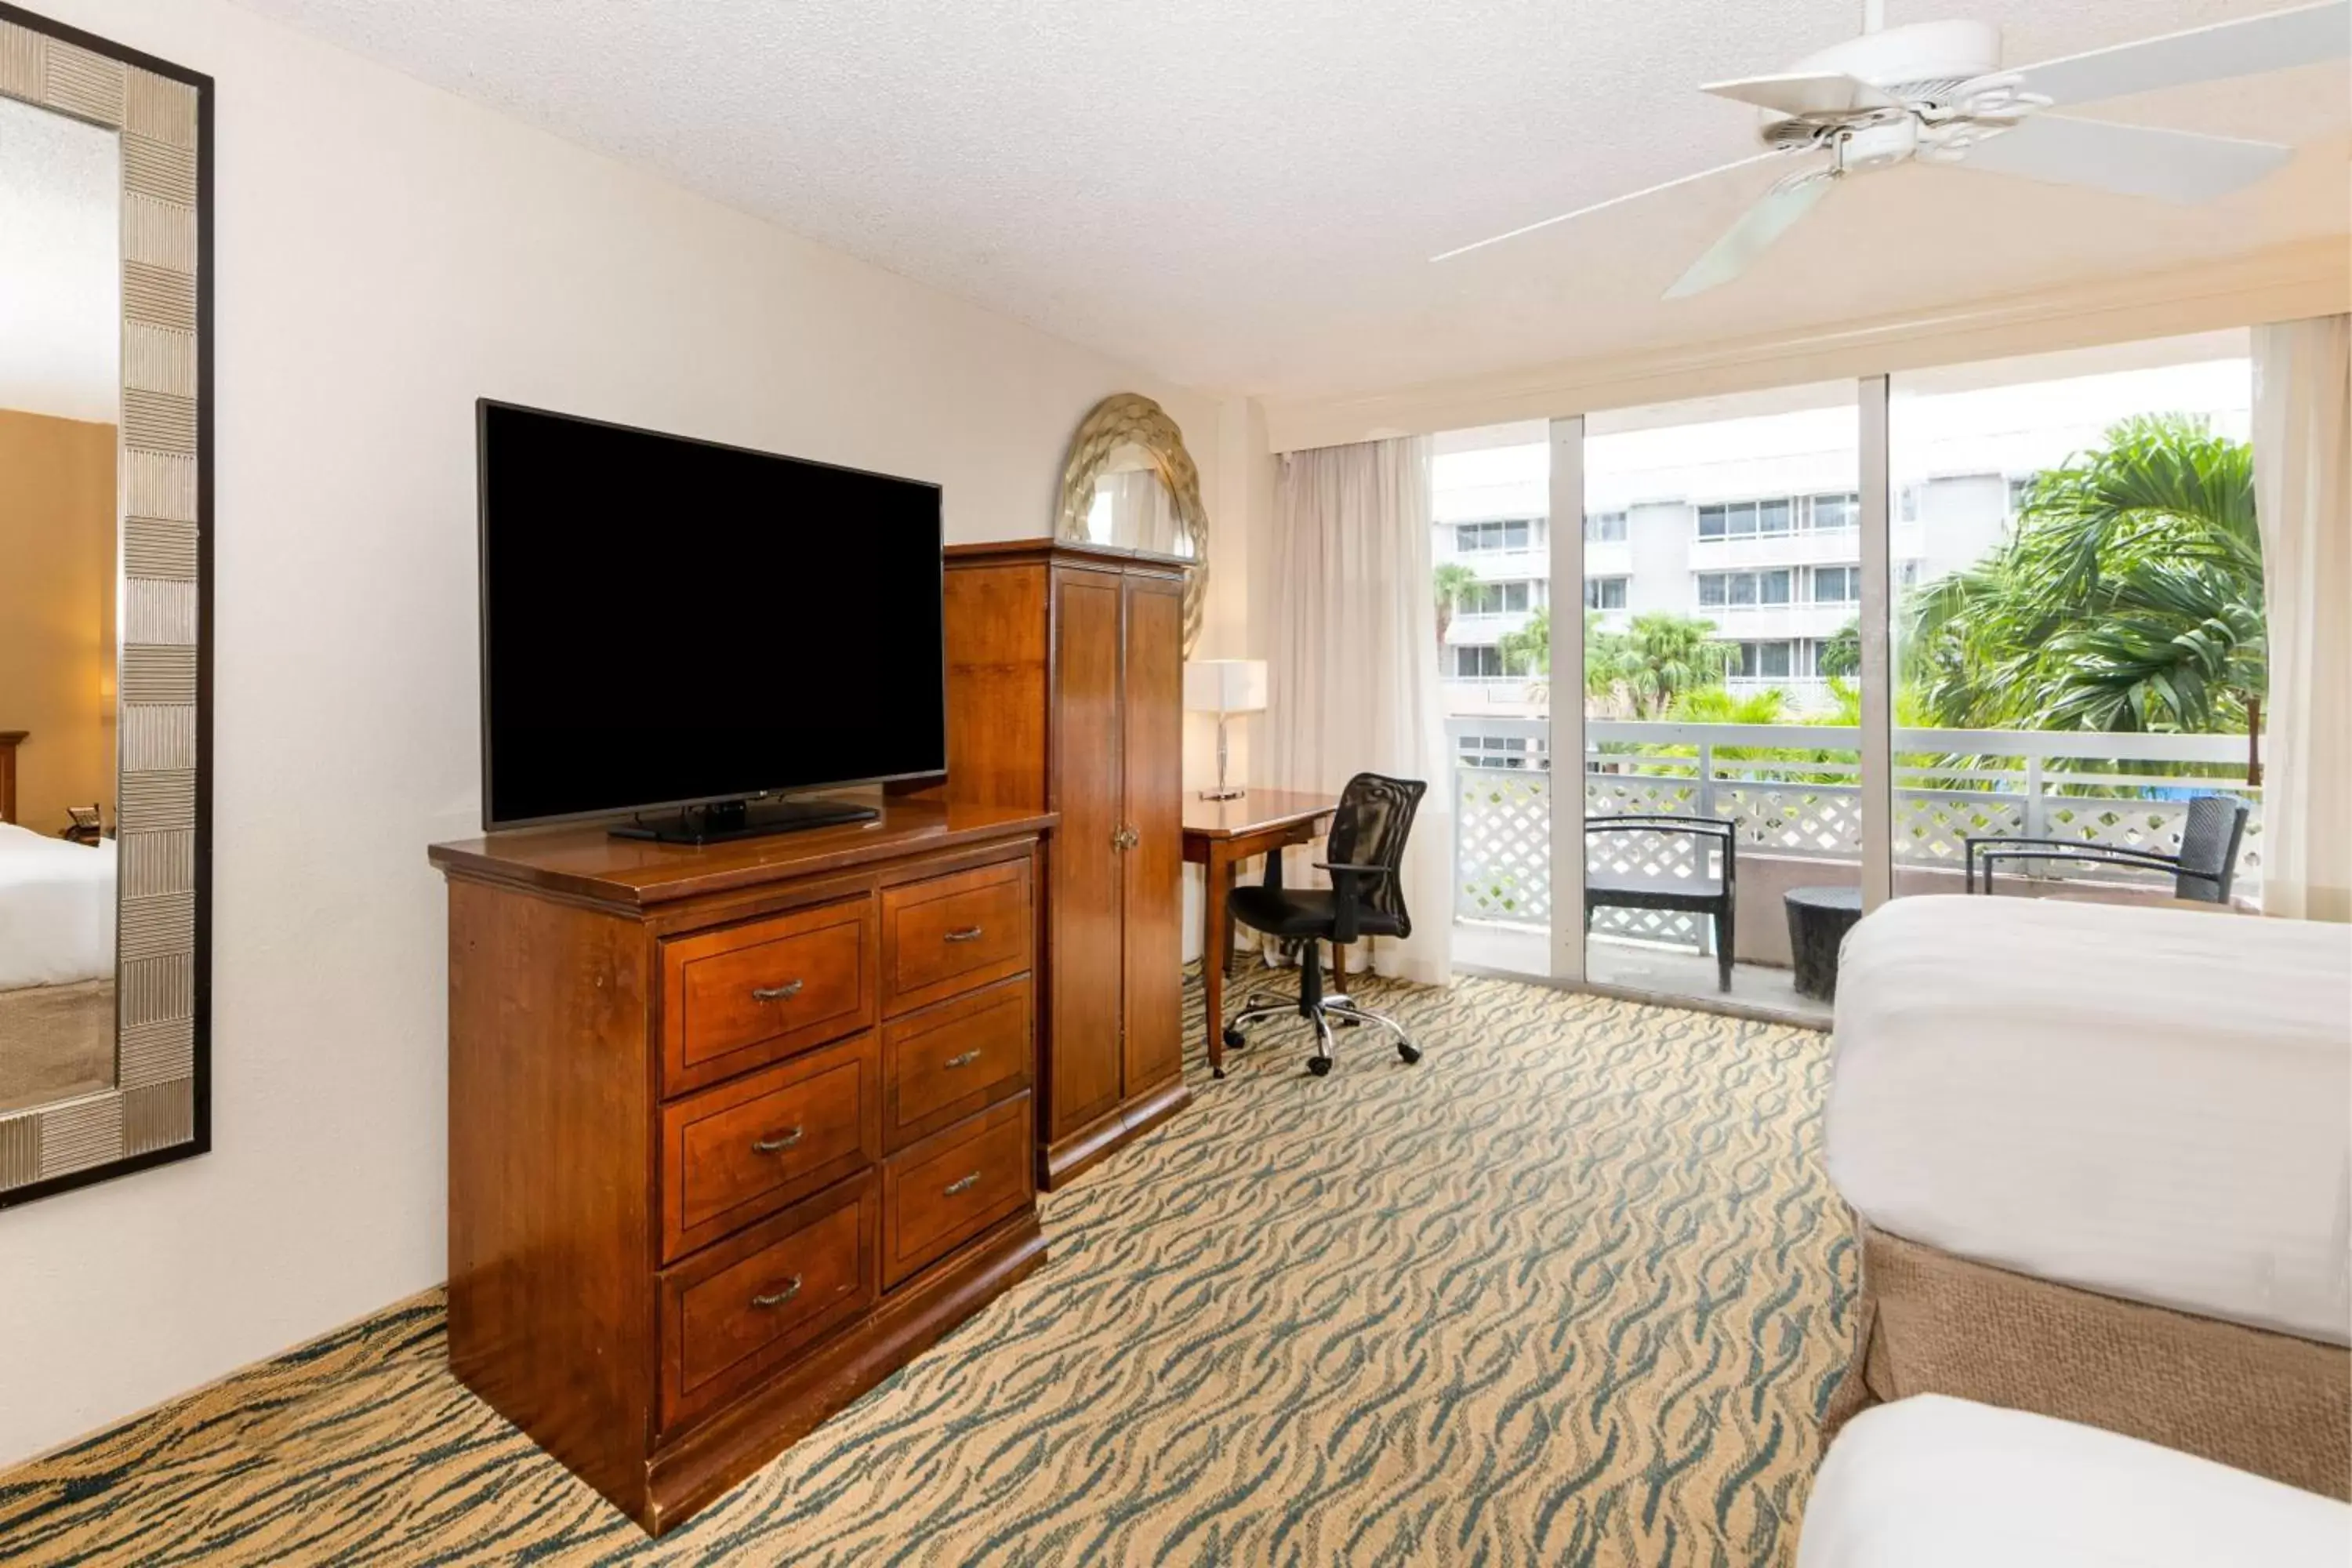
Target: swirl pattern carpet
{"points": [[1574, 1290]]}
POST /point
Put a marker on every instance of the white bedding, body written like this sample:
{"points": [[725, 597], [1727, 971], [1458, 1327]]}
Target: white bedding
{"points": [[1930, 1482], [57, 909], [2151, 1103]]}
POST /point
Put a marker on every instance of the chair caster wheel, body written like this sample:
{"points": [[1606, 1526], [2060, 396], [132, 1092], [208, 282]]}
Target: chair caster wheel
{"points": [[1233, 1040], [1320, 1065], [1409, 1051], [1217, 1072]]}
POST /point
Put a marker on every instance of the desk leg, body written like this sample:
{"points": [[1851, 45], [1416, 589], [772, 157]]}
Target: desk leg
{"points": [[1216, 951]]}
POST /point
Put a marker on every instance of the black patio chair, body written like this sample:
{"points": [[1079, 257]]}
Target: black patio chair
{"points": [[2202, 872], [1707, 892]]}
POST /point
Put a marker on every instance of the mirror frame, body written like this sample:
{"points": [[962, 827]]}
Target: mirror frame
{"points": [[1131, 419], [160, 1108]]}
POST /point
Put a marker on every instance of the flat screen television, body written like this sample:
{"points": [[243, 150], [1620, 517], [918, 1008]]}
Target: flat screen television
{"points": [[673, 627]]}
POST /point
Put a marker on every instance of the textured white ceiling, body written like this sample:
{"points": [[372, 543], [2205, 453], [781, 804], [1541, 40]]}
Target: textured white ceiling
{"points": [[1242, 194], [60, 265]]}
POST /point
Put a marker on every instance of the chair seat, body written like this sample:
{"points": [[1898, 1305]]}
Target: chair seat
{"points": [[1299, 912], [1652, 891]]}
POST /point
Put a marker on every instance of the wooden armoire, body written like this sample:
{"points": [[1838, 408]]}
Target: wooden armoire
{"points": [[1065, 667]]}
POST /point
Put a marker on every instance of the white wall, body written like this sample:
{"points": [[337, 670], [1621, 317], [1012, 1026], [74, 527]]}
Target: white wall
{"points": [[388, 253]]}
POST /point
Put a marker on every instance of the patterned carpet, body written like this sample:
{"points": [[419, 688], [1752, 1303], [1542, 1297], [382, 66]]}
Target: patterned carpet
{"points": [[1572, 1291]]}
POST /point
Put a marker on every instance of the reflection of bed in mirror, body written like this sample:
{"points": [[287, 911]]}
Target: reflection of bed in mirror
{"points": [[57, 967]]}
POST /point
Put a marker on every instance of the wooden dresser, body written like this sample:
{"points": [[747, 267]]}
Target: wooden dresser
{"points": [[734, 1132], [1065, 673]]}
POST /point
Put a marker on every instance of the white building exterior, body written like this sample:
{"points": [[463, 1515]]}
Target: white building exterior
{"points": [[1753, 522]]}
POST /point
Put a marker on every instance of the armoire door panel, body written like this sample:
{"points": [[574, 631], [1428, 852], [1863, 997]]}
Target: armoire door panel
{"points": [[1153, 788], [1085, 895]]}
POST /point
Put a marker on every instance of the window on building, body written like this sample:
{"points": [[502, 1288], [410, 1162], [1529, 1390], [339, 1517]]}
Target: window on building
{"points": [[1497, 598], [1477, 661], [1906, 504], [1766, 661], [1827, 515], [1604, 592], [1746, 518], [1907, 575], [1743, 590], [1605, 527], [1500, 751], [1837, 584], [1513, 533]]}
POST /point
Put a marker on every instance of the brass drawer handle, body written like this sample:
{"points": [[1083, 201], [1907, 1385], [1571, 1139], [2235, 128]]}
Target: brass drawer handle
{"points": [[1127, 838], [964, 933], [964, 1061], [792, 1289], [779, 1140], [789, 989], [961, 1183]]}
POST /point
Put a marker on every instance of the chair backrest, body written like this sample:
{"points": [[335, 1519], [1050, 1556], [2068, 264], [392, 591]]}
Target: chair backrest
{"points": [[1369, 828], [2210, 836]]}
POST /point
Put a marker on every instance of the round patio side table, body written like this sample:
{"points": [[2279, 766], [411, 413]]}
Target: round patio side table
{"points": [[1818, 919]]}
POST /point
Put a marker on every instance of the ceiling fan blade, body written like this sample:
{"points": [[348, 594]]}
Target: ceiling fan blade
{"points": [[1758, 227], [2134, 160], [2306, 35], [1599, 206], [1804, 92]]}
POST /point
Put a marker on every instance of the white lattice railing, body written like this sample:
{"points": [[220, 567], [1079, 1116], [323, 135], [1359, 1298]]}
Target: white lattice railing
{"points": [[1794, 792]]}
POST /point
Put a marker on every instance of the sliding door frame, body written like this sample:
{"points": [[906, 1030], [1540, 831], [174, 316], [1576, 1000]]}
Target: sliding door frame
{"points": [[1566, 740], [1566, 733], [1877, 782]]}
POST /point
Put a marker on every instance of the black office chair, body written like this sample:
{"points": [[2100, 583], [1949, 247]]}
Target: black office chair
{"points": [[1366, 899], [2202, 873]]}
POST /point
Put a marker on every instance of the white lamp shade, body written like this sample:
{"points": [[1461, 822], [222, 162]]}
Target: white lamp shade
{"points": [[1225, 685]]}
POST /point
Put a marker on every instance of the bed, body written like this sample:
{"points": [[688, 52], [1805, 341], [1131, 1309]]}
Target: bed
{"points": [[1931, 1482], [2100, 1165], [57, 967]]}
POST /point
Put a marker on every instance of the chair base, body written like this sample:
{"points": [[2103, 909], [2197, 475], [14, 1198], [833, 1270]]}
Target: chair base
{"points": [[1322, 1014]]}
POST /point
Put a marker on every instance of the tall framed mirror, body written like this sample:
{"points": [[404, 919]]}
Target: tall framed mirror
{"points": [[105, 608]]}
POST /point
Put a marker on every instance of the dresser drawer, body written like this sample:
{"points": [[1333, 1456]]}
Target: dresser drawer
{"points": [[735, 998], [744, 1150], [955, 1057], [736, 1310], [952, 1185], [951, 933]]}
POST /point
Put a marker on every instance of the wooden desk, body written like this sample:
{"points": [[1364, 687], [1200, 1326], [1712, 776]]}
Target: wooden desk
{"points": [[1219, 834]]}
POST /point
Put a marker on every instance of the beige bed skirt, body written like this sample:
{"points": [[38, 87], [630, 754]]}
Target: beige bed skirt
{"points": [[1930, 1323]]}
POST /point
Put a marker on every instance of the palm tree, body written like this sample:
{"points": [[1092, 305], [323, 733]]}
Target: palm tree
{"points": [[1656, 660], [1840, 655], [2130, 597], [1644, 668], [1450, 580]]}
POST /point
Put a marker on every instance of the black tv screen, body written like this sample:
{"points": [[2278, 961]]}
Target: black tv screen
{"points": [[668, 621]]}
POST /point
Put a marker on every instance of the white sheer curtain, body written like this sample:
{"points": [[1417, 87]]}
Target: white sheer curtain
{"points": [[2303, 497], [1353, 662]]}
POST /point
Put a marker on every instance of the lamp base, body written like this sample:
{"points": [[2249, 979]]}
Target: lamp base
{"points": [[1234, 794]]}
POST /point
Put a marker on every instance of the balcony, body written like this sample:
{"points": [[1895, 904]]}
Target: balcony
{"points": [[1793, 790]]}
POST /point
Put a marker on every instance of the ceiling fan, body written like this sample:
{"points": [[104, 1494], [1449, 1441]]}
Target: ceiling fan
{"points": [[1936, 92]]}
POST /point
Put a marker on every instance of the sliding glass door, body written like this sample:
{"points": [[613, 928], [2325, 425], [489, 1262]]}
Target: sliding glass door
{"points": [[1492, 552], [2078, 620], [1721, 692], [1724, 673]]}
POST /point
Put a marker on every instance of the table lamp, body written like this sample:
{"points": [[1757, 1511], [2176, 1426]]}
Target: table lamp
{"points": [[1225, 687]]}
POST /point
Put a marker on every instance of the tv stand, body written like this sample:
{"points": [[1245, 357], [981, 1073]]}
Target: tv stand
{"points": [[723, 821]]}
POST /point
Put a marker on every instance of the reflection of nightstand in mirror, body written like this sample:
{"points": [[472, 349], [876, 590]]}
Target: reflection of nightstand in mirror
{"points": [[89, 825]]}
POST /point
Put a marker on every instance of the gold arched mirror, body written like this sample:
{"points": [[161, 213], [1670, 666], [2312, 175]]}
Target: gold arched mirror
{"points": [[1130, 483]]}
